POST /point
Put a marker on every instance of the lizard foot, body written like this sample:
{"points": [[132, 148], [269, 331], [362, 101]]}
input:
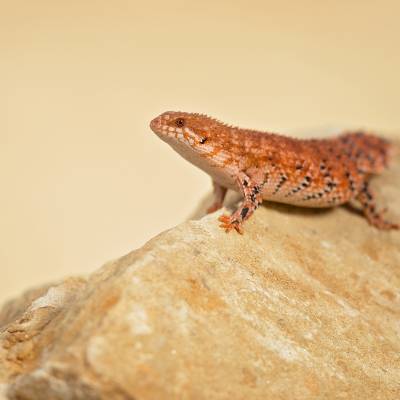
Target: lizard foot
{"points": [[229, 223], [379, 222]]}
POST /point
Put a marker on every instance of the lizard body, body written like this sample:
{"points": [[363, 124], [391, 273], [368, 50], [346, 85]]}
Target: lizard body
{"points": [[266, 166]]}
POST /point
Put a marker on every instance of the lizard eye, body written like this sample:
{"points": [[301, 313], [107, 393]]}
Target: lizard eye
{"points": [[203, 140], [180, 122]]}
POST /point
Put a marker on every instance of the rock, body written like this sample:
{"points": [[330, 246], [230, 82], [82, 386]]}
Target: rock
{"points": [[28, 325], [305, 305]]}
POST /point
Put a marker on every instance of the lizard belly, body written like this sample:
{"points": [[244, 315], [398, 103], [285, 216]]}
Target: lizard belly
{"points": [[306, 199]]}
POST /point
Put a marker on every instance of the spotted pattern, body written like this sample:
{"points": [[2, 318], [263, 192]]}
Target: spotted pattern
{"points": [[267, 166]]}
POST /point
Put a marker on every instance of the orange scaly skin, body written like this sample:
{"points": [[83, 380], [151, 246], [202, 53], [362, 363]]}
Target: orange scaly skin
{"points": [[265, 166]]}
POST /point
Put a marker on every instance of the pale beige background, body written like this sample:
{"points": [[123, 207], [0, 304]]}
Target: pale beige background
{"points": [[84, 180]]}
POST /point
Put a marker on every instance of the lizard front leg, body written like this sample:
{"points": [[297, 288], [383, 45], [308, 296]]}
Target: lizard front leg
{"points": [[219, 196], [251, 190]]}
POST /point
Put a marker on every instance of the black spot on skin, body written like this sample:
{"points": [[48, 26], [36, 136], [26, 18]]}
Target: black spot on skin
{"points": [[299, 166], [253, 197], [245, 183], [310, 197], [322, 167], [303, 185], [366, 192], [347, 174], [256, 189], [244, 212], [257, 204], [203, 140], [333, 200], [282, 180], [331, 185]]}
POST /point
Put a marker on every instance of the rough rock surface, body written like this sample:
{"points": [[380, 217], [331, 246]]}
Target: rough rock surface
{"points": [[305, 305]]}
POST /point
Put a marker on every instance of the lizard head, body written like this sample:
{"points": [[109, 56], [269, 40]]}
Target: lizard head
{"points": [[186, 130], [204, 141]]}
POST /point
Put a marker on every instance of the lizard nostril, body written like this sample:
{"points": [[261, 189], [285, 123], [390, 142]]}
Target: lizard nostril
{"points": [[155, 123]]}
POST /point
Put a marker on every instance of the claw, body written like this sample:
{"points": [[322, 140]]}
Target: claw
{"points": [[228, 224], [224, 219]]}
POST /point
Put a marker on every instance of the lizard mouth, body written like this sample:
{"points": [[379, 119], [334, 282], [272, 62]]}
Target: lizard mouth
{"points": [[184, 135]]}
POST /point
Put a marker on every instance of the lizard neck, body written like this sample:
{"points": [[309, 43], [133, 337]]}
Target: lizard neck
{"points": [[216, 161]]}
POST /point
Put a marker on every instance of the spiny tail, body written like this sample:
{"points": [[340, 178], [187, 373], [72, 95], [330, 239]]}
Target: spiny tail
{"points": [[371, 153]]}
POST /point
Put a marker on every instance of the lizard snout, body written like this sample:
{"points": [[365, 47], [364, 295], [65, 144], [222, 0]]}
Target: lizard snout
{"points": [[155, 124]]}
